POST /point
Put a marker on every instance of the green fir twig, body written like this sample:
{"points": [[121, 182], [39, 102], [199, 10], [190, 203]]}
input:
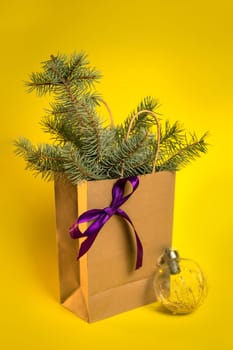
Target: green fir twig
{"points": [[83, 147]]}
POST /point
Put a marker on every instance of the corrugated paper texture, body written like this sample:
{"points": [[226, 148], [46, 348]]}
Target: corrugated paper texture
{"points": [[104, 282]]}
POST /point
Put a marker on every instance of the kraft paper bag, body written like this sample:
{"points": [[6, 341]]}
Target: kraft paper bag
{"points": [[104, 281]]}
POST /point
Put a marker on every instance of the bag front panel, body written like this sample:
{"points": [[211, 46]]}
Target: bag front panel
{"points": [[111, 259]]}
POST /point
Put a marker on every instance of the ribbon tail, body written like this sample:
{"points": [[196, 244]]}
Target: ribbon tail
{"points": [[139, 259], [139, 251], [91, 233], [75, 232], [86, 245]]}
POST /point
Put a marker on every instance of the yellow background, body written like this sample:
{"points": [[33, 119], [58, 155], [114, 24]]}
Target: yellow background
{"points": [[179, 51]]}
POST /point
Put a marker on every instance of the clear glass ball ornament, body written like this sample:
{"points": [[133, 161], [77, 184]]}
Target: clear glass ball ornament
{"points": [[179, 283]]}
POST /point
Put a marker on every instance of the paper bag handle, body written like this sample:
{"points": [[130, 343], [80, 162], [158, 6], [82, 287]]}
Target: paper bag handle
{"points": [[158, 136], [109, 111]]}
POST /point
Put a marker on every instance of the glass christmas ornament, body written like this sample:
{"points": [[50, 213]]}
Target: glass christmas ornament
{"points": [[179, 283]]}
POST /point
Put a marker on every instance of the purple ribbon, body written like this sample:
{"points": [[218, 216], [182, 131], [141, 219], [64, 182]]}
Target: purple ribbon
{"points": [[101, 216]]}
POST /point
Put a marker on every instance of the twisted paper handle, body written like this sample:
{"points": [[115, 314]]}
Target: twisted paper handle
{"points": [[158, 136], [109, 112]]}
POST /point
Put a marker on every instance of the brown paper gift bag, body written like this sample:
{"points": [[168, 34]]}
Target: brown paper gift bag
{"points": [[104, 281]]}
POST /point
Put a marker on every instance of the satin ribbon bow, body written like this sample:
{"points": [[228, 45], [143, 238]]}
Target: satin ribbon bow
{"points": [[99, 217]]}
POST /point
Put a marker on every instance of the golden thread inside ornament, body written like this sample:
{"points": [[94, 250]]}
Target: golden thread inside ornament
{"points": [[182, 292]]}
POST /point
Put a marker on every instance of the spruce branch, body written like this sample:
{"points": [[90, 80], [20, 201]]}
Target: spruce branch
{"points": [[158, 136], [45, 159], [184, 153], [129, 150], [76, 62], [77, 168], [59, 72], [83, 147], [60, 131], [143, 120], [172, 133]]}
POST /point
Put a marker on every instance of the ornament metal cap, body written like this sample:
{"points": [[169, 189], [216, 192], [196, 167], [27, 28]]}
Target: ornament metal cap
{"points": [[171, 258], [172, 253]]}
